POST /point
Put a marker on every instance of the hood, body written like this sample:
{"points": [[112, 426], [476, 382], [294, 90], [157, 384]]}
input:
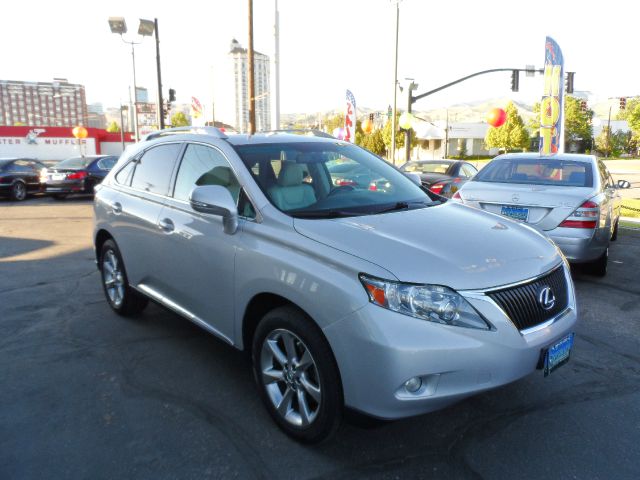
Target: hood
{"points": [[451, 244]]}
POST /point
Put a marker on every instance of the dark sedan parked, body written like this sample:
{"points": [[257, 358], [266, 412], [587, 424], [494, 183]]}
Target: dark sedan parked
{"points": [[20, 177], [78, 174], [444, 177]]}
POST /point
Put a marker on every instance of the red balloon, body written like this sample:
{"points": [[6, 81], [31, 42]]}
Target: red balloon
{"points": [[496, 117]]}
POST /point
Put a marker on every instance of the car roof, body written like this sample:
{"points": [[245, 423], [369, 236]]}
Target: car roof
{"points": [[279, 137], [576, 157]]}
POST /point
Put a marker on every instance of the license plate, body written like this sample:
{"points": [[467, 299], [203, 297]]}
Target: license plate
{"points": [[558, 354], [517, 213], [58, 176]]}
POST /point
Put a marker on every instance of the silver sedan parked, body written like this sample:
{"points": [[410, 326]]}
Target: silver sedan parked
{"points": [[571, 198]]}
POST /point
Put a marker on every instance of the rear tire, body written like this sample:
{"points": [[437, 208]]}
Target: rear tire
{"points": [[614, 236], [18, 191], [297, 375], [123, 299], [599, 266]]}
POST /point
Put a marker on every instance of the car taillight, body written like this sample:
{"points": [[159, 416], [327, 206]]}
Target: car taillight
{"points": [[77, 175], [585, 216], [436, 187], [373, 186], [343, 182]]}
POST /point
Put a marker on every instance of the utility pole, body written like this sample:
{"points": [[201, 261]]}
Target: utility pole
{"points": [[276, 61], [609, 133], [395, 90], [251, 93], [407, 133], [160, 103]]}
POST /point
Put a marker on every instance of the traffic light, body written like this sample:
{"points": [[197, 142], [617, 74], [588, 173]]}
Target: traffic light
{"points": [[623, 103], [166, 108], [583, 105], [515, 80], [570, 82], [172, 95]]}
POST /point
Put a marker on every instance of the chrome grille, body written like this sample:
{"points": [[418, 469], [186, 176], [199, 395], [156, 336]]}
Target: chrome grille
{"points": [[522, 305]]}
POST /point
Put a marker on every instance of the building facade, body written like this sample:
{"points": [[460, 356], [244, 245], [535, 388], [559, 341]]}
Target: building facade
{"points": [[58, 103], [240, 66]]}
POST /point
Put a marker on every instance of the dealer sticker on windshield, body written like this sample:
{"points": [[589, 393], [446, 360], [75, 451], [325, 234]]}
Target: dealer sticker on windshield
{"points": [[558, 354], [520, 214]]}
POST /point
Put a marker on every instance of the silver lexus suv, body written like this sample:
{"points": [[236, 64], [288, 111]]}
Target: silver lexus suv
{"points": [[382, 298]]}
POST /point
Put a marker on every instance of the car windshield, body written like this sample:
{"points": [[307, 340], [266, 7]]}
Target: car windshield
{"points": [[427, 167], [75, 162], [329, 179], [537, 171]]}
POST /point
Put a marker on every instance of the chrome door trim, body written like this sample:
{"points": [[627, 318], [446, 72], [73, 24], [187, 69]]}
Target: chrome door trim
{"points": [[157, 296]]}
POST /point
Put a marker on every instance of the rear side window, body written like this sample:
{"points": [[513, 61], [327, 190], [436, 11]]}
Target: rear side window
{"points": [[537, 171], [107, 163], [153, 171]]}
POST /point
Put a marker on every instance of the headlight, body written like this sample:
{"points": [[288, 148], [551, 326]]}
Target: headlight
{"points": [[427, 302]]}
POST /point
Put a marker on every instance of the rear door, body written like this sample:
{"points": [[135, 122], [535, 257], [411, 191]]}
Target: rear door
{"points": [[26, 171], [143, 186]]}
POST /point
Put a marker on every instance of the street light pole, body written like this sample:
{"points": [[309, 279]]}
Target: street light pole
{"points": [[160, 101], [395, 89], [135, 93]]}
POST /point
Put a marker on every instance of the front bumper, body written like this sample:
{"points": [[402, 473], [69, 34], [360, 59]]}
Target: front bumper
{"points": [[580, 244], [378, 350]]}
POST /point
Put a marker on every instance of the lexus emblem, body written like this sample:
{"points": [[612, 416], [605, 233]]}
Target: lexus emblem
{"points": [[515, 197], [546, 298]]}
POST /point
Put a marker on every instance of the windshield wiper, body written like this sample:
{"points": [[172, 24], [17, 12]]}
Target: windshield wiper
{"points": [[324, 214], [405, 206]]}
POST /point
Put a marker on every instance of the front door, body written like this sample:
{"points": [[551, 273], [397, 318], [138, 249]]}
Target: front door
{"points": [[197, 271]]}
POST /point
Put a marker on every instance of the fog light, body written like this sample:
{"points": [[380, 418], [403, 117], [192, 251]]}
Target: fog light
{"points": [[413, 384]]}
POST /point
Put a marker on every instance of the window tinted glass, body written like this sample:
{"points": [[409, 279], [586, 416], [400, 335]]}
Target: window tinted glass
{"points": [[22, 166], [537, 171], [203, 165], [467, 170], [124, 176], [107, 163], [153, 171], [427, 167], [76, 162]]}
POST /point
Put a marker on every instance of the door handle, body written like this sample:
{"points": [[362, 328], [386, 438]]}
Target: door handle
{"points": [[166, 225], [116, 208]]}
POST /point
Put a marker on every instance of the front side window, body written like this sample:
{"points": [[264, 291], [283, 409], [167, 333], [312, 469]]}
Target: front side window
{"points": [[537, 171], [329, 179], [153, 171]]}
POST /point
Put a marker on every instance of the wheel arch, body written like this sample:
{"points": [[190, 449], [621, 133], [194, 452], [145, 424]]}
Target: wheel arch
{"points": [[102, 236]]}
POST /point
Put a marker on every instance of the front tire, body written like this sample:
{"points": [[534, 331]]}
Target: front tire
{"points": [[123, 299], [18, 191], [297, 375]]}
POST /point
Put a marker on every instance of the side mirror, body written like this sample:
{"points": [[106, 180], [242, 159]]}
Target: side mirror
{"points": [[414, 177], [624, 184], [216, 200]]}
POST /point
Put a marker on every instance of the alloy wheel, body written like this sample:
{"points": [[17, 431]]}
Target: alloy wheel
{"points": [[113, 278], [290, 377], [19, 191]]}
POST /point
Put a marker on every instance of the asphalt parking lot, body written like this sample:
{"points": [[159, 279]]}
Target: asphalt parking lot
{"points": [[87, 394]]}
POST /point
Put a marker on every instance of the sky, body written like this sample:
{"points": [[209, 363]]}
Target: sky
{"points": [[326, 47]]}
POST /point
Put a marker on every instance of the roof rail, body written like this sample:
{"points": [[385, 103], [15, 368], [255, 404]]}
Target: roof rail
{"points": [[214, 132], [302, 131]]}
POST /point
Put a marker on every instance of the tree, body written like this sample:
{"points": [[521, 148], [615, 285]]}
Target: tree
{"points": [[386, 134], [632, 115], [577, 123], [374, 142], [179, 119], [510, 136], [331, 123], [113, 127]]}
